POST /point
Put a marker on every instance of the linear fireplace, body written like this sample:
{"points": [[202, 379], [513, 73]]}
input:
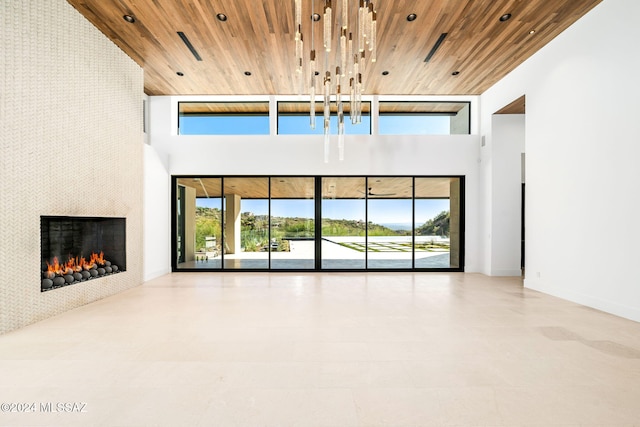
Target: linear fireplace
{"points": [[78, 249]]}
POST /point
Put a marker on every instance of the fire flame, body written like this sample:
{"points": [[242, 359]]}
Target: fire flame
{"points": [[76, 264]]}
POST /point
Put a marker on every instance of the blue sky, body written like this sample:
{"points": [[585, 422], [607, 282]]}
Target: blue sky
{"points": [[224, 125], [299, 125], [381, 211]]}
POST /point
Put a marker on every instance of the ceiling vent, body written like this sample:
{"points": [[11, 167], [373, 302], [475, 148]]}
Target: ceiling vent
{"points": [[189, 45], [435, 47]]}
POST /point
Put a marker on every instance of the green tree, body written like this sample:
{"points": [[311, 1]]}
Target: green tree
{"points": [[438, 226], [207, 224]]}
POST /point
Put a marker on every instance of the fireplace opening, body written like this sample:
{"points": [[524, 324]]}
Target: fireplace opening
{"points": [[78, 249]]}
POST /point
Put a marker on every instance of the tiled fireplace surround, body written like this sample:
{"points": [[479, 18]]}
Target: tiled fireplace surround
{"points": [[71, 145]]}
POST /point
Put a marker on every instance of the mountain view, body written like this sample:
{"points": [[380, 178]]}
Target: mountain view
{"points": [[255, 228]]}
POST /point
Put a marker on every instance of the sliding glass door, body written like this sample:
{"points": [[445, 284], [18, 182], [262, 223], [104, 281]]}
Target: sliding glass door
{"points": [[199, 223], [302, 223], [344, 220], [389, 223], [437, 222], [292, 242], [246, 223]]}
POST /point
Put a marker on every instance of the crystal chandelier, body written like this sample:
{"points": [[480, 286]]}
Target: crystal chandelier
{"points": [[349, 43]]}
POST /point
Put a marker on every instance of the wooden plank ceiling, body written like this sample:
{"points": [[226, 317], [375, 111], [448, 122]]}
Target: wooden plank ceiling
{"points": [[295, 107], [258, 37], [332, 188], [516, 107]]}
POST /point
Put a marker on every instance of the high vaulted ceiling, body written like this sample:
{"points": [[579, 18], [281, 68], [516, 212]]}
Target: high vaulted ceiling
{"points": [[258, 37]]}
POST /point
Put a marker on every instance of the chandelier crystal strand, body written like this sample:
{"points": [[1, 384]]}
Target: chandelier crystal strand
{"points": [[298, 7], [361, 18], [299, 50], [350, 52], [356, 74], [327, 99], [327, 115], [345, 14], [362, 65], [340, 114], [299, 47], [359, 99], [341, 57], [299, 65], [367, 26], [374, 35], [326, 111], [312, 89], [328, 23], [343, 51], [352, 100], [370, 19], [298, 37], [312, 72], [328, 29]]}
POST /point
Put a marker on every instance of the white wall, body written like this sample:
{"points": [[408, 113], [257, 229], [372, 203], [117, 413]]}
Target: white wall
{"points": [[582, 174], [71, 145], [507, 146], [157, 219], [303, 155]]}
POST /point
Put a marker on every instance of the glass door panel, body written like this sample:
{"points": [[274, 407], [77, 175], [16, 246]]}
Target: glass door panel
{"points": [[246, 223], [199, 223], [344, 223], [180, 225], [456, 224], [434, 212], [390, 220], [208, 223], [292, 238]]}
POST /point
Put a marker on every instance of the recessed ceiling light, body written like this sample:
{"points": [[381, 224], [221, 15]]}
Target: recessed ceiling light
{"points": [[385, 73], [315, 17], [221, 17], [455, 73], [317, 73], [505, 17], [180, 73], [411, 17], [247, 73], [532, 32], [129, 18]]}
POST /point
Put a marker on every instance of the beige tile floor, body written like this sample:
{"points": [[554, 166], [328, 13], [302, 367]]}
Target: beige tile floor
{"points": [[339, 350]]}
